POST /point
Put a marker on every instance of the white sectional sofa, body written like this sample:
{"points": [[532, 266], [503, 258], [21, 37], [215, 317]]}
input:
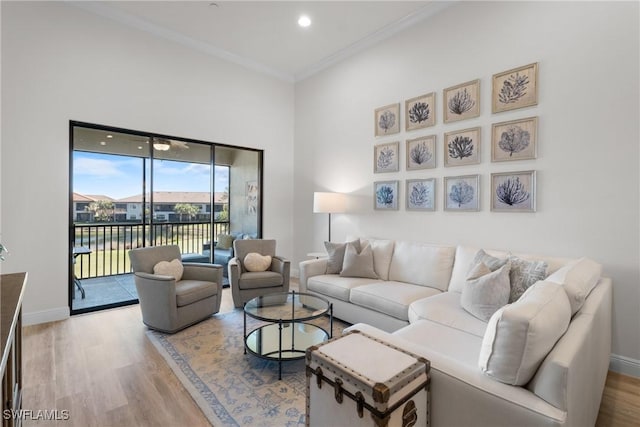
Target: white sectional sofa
{"points": [[553, 343]]}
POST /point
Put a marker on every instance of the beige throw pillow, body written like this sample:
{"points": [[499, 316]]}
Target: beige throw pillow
{"points": [[166, 268], [335, 251], [486, 291], [254, 262], [358, 264]]}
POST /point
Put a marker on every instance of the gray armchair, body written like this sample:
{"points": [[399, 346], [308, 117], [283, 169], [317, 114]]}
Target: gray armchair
{"points": [[246, 285], [169, 305]]}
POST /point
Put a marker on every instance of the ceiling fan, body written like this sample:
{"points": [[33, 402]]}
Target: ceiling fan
{"points": [[163, 144]]}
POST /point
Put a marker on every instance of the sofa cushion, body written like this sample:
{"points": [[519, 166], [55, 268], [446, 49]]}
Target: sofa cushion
{"points": [[445, 309], [190, 291], [391, 298], [422, 264], [483, 295], [335, 252], [464, 259], [256, 262], [358, 263], [335, 286], [382, 253], [578, 279], [519, 335], [260, 279], [166, 268], [523, 274]]}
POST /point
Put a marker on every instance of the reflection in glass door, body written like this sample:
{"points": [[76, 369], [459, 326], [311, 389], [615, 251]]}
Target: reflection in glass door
{"points": [[132, 189]]}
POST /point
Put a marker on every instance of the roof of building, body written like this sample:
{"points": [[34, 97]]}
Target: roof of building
{"points": [[77, 197], [200, 197]]}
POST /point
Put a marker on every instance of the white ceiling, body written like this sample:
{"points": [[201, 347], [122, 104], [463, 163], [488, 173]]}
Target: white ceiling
{"points": [[264, 35]]}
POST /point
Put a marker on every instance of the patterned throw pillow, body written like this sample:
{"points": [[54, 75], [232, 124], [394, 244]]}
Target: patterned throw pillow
{"points": [[524, 274], [486, 291], [335, 251], [224, 241]]}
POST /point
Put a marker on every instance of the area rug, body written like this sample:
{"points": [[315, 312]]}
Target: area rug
{"points": [[233, 388]]}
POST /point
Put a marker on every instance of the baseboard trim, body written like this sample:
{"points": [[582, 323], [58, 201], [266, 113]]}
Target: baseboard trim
{"points": [[37, 317], [624, 365]]}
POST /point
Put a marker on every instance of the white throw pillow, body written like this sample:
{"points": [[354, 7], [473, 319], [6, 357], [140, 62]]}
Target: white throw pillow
{"points": [[520, 335], [255, 262], [486, 291], [166, 268], [382, 253], [358, 264], [578, 279]]}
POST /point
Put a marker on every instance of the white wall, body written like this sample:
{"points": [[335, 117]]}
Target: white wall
{"points": [[588, 156], [60, 63]]}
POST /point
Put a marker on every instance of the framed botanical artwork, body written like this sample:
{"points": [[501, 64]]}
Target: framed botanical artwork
{"points": [[420, 112], [462, 193], [462, 147], [516, 88], [252, 197], [461, 102], [514, 140], [385, 157], [387, 120], [513, 191], [421, 194], [421, 153], [385, 195]]}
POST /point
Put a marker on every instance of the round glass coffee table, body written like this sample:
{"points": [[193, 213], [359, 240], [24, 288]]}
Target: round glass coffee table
{"points": [[288, 333]]}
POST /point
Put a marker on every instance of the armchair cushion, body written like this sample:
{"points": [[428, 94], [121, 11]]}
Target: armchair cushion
{"points": [[190, 291], [255, 262], [166, 268], [260, 279]]}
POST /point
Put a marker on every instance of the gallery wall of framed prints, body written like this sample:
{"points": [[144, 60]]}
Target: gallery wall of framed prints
{"points": [[456, 147]]}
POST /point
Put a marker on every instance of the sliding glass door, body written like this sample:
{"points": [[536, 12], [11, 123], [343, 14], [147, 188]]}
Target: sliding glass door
{"points": [[133, 189]]}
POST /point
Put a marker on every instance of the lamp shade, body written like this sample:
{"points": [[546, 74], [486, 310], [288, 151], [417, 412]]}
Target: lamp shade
{"points": [[329, 202]]}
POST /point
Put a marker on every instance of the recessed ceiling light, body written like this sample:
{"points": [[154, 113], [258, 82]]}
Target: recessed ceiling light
{"points": [[304, 21], [109, 136], [103, 143]]}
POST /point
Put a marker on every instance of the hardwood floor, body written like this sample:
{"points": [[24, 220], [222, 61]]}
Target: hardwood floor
{"points": [[103, 369]]}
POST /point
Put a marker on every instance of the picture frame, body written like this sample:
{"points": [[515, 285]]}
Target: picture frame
{"points": [[462, 147], [513, 191], [514, 140], [386, 157], [386, 195], [461, 102], [252, 197], [387, 120], [421, 153], [420, 194], [462, 193], [420, 112], [515, 88]]}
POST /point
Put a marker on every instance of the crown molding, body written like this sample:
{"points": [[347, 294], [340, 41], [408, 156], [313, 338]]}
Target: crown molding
{"points": [[376, 37], [128, 20]]}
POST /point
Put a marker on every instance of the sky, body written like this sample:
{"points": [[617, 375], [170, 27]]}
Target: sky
{"points": [[121, 176]]}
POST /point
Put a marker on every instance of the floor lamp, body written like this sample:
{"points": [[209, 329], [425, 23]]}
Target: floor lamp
{"points": [[329, 203]]}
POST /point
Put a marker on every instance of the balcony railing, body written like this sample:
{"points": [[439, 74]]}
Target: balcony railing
{"points": [[109, 243]]}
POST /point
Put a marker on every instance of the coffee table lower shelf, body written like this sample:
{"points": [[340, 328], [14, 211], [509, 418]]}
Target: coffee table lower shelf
{"points": [[284, 341]]}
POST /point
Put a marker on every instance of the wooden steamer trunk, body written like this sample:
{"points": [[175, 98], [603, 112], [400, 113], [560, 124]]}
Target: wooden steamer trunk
{"points": [[357, 380]]}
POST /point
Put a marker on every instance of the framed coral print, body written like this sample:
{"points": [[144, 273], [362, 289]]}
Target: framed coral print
{"points": [[516, 88], [462, 147], [385, 157], [513, 191], [514, 140], [461, 102], [421, 153], [385, 195], [462, 193], [420, 112], [387, 120], [421, 194]]}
